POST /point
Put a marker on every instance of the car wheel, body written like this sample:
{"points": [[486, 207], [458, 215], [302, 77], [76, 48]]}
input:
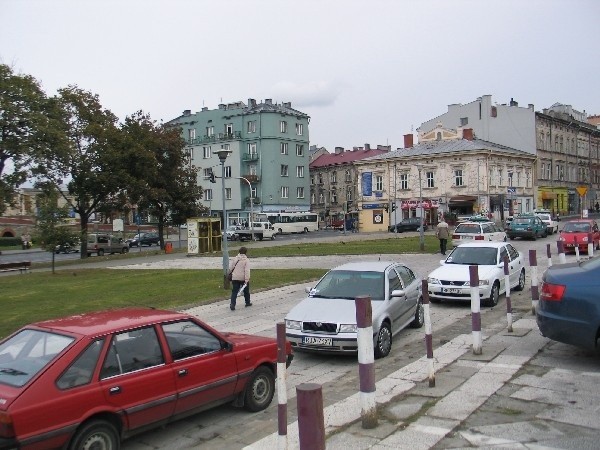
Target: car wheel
{"points": [[273, 237], [259, 390], [521, 284], [125, 250], [419, 319], [279, 230], [305, 230], [434, 300], [384, 341], [494, 295], [100, 252], [97, 434]]}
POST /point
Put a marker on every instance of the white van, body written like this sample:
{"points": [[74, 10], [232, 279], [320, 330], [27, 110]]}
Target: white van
{"points": [[101, 243]]}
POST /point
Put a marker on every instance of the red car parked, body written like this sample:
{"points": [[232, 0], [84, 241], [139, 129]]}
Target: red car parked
{"points": [[90, 380], [578, 230]]}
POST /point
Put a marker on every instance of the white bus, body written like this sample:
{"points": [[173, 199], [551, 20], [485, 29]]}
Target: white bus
{"points": [[294, 222]]}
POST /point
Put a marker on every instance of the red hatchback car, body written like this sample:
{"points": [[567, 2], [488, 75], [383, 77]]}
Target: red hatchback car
{"points": [[90, 380], [578, 230]]}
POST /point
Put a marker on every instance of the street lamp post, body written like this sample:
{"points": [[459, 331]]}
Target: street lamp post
{"points": [[250, 222], [421, 236], [223, 154]]}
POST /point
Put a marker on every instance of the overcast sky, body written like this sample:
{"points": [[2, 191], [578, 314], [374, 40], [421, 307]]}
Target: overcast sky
{"points": [[364, 71]]}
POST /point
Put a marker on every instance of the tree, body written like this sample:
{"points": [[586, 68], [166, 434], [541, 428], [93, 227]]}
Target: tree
{"points": [[23, 129], [88, 152], [165, 184], [51, 226]]}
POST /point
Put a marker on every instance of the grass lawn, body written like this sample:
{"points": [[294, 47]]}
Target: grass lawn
{"points": [[41, 295]]}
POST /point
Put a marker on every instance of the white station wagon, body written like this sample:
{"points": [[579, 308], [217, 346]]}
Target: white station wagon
{"points": [[476, 232]]}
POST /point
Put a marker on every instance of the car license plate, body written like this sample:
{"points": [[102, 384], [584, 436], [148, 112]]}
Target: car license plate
{"points": [[451, 290], [317, 340], [467, 237]]}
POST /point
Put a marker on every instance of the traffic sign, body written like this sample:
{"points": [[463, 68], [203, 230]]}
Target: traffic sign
{"points": [[511, 190], [581, 190]]}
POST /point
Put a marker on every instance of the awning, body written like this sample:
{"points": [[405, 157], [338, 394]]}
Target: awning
{"points": [[462, 200], [549, 195]]}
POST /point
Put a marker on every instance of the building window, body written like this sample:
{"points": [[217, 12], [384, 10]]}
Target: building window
{"points": [[334, 197], [210, 131], [510, 179], [299, 129], [430, 181], [458, 177], [208, 194], [313, 198], [228, 129], [227, 171], [349, 193], [464, 121], [252, 148], [299, 150], [252, 169], [378, 183], [227, 193], [285, 192], [284, 170], [348, 176], [321, 198], [333, 177], [253, 192], [192, 134], [252, 126], [225, 146], [500, 181], [206, 152], [300, 171], [300, 192], [283, 148], [283, 126], [207, 173], [404, 181], [189, 154], [320, 177]]}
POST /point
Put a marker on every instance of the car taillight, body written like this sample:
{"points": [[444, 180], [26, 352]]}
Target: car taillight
{"points": [[529, 228], [479, 238], [455, 236], [552, 292], [6, 425]]}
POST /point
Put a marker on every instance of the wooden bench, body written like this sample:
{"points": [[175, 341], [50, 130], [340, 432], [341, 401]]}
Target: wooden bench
{"points": [[21, 266]]}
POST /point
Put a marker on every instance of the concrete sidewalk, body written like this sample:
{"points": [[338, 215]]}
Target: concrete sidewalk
{"points": [[558, 411]]}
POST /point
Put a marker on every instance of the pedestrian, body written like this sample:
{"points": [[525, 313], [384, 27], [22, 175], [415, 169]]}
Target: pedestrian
{"points": [[239, 268], [442, 232]]}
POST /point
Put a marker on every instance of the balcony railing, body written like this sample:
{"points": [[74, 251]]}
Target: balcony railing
{"points": [[255, 201], [252, 178], [250, 157], [216, 138]]}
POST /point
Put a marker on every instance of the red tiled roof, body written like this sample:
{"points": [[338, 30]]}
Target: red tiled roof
{"points": [[345, 157]]}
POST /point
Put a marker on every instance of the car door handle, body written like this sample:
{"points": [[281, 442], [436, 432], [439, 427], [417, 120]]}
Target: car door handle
{"points": [[114, 390], [182, 372]]}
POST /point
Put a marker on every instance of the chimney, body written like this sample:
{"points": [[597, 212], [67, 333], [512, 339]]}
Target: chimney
{"points": [[408, 140], [288, 105], [268, 101], [367, 146], [530, 106], [339, 150], [205, 108], [251, 102], [468, 134], [187, 112], [222, 106], [513, 103]]}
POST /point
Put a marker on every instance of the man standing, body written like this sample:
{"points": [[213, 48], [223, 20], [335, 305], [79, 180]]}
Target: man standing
{"points": [[442, 233]]}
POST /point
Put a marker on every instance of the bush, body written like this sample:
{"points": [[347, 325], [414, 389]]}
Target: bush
{"points": [[10, 241]]}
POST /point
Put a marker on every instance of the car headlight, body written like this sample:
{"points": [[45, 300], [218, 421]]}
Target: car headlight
{"points": [[585, 239], [481, 283], [348, 328], [433, 281], [293, 324]]}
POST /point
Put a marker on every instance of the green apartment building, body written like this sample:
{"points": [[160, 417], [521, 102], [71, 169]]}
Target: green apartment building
{"points": [[268, 164]]}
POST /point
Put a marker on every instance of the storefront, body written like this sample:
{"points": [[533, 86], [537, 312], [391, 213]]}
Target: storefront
{"points": [[412, 208]]}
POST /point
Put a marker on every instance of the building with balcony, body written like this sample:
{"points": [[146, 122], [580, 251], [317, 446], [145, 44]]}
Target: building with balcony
{"points": [[333, 182], [269, 159]]}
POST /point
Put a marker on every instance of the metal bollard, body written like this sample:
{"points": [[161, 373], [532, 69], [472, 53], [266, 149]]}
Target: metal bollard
{"points": [[475, 309], [428, 336], [535, 293], [590, 245], [366, 361], [549, 253], [576, 248], [282, 441], [311, 421], [508, 302], [561, 252]]}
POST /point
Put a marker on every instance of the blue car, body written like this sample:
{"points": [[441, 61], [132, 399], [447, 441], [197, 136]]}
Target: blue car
{"points": [[569, 306]]}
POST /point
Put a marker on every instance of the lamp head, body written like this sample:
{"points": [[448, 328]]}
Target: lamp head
{"points": [[223, 154]]}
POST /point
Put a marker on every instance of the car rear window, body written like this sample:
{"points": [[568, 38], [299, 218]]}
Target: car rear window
{"points": [[26, 353], [469, 228], [523, 220]]}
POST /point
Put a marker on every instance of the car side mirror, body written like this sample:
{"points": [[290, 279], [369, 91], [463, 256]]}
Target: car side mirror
{"points": [[227, 346], [442, 261], [398, 293], [307, 289]]}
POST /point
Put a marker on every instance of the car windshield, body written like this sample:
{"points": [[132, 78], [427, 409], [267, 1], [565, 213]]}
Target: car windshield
{"points": [[26, 353], [577, 227], [348, 284], [468, 228], [473, 256]]}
